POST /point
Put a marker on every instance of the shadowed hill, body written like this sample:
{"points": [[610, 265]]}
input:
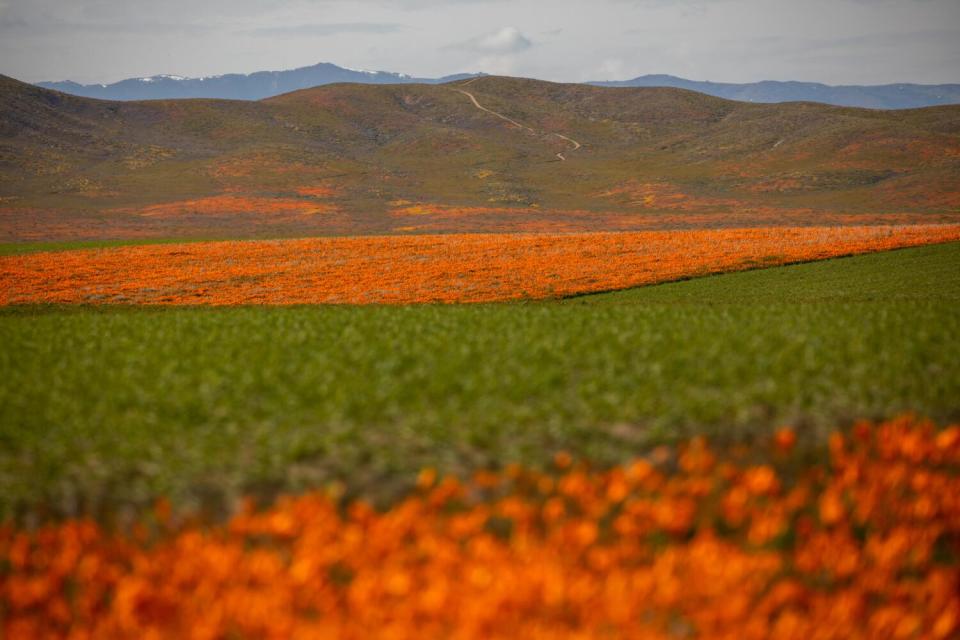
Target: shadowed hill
{"points": [[489, 154]]}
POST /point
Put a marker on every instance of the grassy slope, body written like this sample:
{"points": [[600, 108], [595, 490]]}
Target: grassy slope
{"points": [[926, 273], [105, 407], [19, 248]]}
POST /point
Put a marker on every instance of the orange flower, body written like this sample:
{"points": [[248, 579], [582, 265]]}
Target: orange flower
{"points": [[426, 478], [422, 269], [761, 480], [831, 508], [785, 438], [624, 553]]}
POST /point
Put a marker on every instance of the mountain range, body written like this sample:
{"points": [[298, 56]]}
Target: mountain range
{"points": [[888, 96], [238, 86], [265, 84]]}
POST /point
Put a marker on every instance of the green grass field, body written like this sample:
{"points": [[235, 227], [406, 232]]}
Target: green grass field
{"points": [[926, 273], [105, 408], [20, 248]]}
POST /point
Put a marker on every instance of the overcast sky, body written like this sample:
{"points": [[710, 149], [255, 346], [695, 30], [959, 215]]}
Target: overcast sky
{"points": [[833, 41]]}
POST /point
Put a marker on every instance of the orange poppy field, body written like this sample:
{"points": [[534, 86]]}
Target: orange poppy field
{"points": [[424, 269], [325, 353], [743, 542]]}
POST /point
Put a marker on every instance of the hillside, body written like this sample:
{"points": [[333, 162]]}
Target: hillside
{"points": [[888, 96], [488, 154]]}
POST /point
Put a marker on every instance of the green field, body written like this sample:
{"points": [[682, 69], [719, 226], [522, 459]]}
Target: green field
{"points": [[104, 408], [21, 248]]}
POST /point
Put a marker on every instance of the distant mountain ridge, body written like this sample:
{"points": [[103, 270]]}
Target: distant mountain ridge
{"points": [[237, 86], [267, 84], [889, 96]]}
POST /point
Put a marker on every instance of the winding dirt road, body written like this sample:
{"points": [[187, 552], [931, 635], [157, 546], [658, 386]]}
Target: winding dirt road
{"points": [[576, 145], [476, 103], [499, 115]]}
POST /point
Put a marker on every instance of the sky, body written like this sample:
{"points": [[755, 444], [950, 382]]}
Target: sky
{"points": [[832, 41]]}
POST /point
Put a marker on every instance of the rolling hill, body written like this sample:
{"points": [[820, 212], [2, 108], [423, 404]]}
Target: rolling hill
{"points": [[488, 154]]}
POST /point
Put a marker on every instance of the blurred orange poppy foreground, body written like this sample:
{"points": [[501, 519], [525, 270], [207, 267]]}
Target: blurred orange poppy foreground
{"points": [[688, 543]]}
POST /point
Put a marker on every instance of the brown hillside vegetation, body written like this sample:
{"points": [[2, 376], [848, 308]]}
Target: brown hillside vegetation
{"points": [[374, 159]]}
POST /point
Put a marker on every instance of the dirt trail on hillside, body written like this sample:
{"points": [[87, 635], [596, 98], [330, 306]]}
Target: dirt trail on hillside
{"points": [[499, 115], [576, 145], [476, 103]]}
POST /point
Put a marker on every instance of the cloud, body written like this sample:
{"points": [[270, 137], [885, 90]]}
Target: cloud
{"points": [[408, 5], [24, 27], [330, 29], [12, 22], [835, 41], [53, 18], [501, 42], [612, 68], [670, 3]]}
